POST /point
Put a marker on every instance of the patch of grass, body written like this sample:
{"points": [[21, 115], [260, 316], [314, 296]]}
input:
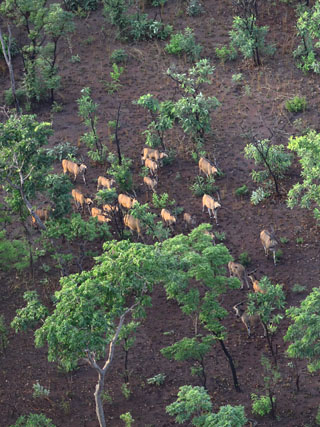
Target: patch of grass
{"points": [[298, 289], [284, 240], [299, 240], [242, 191]]}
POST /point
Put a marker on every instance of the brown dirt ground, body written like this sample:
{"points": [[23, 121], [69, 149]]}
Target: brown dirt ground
{"points": [[71, 402]]}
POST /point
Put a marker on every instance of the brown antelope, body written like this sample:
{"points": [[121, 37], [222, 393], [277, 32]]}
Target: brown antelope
{"points": [[102, 218], [75, 169], [269, 242], [105, 182], [152, 166], [255, 285], [43, 214], [168, 218], [247, 319], [212, 205], [132, 223], [189, 220], [79, 198], [150, 183], [88, 203], [126, 201], [153, 154], [95, 212], [110, 208], [206, 167], [238, 270]]}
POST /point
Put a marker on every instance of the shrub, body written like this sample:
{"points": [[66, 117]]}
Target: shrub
{"points": [[244, 259], [298, 289], [242, 191], [118, 56], [318, 417], [64, 150], [121, 173], [194, 8], [39, 391], [258, 195], [296, 104], [181, 43], [203, 186], [14, 50], [261, 405], [33, 420], [157, 379], [225, 53], [76, 5]]}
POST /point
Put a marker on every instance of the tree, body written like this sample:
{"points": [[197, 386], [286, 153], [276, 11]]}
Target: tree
{"points": [[264, 304], [303, 334], [23, 162], [6, 49], [91, 307], [195, 402], [76, 234], [43, 26], [306, 193], [87, 111], [201, 273], [308, 29], [191, 349], [162, 116], [273, 159], [249, 38], [193, 111]]}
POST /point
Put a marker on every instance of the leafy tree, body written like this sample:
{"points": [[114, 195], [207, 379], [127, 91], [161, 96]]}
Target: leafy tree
{"points": [[23, 162], [201, 276], [193, 110], [307, 148], [121, 172], [184, 43], [76, 234], [191, 349], [43, 26], [303, 334], [13, 253], [308, 29], [265, 304], [127, 338], [87, 110], [195, 402], [147, 219], [162, 116], [91, 307], [272, 158], [249, 38], [58, 188]]}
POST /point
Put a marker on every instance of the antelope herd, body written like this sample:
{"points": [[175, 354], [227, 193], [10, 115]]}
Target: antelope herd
{"points": [[153, 160]]}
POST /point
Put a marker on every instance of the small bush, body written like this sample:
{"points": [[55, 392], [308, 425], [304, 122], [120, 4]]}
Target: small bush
{"points": [[194, 8], [75, 59], [127, 419], [181, 43], [299, 240], [125, 390], [284, 240], [244, 259], [118, 56], [258, 195], [64, 150], [318, 417], [225, 53], [296, 104], [76, 5], [220, 236], [279, 255], [21, 95], [157, 379], [39, 391], [203, 186], [237, 78], [242, 191], [33, 420], [261, 405], [298, 289]]}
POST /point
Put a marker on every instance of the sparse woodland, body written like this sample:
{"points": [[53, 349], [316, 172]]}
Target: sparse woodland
{"points": [[159, 213]]}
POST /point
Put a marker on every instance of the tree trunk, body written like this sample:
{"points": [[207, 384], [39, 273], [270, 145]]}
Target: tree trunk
{"points": [[116, 138], [97, 397], [7, 57], [232, 367]]}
